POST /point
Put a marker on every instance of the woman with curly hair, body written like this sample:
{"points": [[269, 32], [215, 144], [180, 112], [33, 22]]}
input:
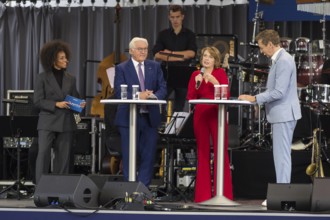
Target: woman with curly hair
{"points": [[56, 122]]}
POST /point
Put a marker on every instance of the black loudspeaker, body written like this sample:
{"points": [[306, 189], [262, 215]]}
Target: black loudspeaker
{"points": [[321, 195], [66, 190], [120, 190], [101, 179], [289, 197]]}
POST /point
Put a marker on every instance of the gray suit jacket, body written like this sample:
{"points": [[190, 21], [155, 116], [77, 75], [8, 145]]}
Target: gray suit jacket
{"points": [[281, 97], [46, 93]]}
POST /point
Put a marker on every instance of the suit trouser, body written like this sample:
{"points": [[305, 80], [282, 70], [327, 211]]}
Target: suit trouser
{"points": [[282, 140], [62, 144], [146, 146]]}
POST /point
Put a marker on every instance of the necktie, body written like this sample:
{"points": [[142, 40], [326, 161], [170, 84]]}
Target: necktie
{"points": [[141, 77]]}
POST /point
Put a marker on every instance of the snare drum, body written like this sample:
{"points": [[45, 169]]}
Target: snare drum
{"points": [[321, 92]]}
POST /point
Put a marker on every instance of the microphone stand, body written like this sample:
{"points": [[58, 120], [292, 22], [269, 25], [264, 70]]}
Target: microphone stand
{"points": [[16, 135]]}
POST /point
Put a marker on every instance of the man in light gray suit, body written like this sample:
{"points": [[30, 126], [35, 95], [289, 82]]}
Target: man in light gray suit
{"points": [[281, 101]]}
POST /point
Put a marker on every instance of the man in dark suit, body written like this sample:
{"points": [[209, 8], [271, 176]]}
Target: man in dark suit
{"points": [[56, 122], [148, 74]]}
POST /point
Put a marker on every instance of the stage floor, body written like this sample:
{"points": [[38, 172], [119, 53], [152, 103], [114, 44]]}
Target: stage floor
{"points": [[248, 209]]}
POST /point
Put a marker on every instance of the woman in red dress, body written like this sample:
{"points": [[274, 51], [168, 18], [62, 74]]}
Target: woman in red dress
{"points": [[206, 125]]}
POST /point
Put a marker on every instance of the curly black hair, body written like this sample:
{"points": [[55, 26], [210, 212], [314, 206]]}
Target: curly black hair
{"points": [[49, 51]]}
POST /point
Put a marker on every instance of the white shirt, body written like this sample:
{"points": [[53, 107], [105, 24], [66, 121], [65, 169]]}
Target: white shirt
{"points": [[136, 65]]}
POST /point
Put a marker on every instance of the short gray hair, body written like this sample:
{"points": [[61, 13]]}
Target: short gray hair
{"points": [[135, 39]]}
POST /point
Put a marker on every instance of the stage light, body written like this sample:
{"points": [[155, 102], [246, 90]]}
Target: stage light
{"points": [[208, 4], [81, 5], [105, 4], [196, 5], [69, 5], [93, 6]]}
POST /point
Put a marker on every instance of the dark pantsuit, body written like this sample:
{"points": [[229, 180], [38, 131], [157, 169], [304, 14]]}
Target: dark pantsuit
{"points": [[61, 143]]}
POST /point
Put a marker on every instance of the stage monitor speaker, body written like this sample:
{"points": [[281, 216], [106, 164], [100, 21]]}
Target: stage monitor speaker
{"points": [[289, 197], [101, 179], [321, 195], [120, 190], [66, 190]]}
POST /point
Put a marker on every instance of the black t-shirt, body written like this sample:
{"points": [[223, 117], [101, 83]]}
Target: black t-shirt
{"points": [[167, 39]]}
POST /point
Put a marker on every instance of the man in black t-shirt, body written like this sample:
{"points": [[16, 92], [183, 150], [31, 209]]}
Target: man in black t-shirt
{"points": [[175, 40], [176, 46]]}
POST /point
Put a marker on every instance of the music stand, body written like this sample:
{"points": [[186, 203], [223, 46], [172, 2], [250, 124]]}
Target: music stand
{"points": [[18, 126], [180, 126]]}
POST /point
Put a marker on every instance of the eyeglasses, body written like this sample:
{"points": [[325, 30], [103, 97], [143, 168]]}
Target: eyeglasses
{"points": [[141, 49]]}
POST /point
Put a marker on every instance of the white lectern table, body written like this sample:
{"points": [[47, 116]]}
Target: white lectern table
{"points": [[132, 128], [219, 198]]}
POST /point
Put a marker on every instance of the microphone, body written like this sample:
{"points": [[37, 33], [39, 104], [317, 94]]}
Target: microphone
{"points": [[198, 83]]}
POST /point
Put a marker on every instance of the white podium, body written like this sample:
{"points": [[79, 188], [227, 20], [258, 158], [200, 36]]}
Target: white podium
{"points": [[219, 199], [132, 128]]}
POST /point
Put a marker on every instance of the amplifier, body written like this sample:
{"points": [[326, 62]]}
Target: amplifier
{"points": [[82, 160], [21, 109], [10, 142], [82, 137]]}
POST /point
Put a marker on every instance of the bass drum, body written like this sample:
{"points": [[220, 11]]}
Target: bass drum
{"points": [[304, 63]]}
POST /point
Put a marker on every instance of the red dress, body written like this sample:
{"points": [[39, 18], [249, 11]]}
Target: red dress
{"points": [[206, 128]]}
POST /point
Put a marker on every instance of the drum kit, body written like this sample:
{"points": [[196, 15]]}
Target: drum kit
{"points": [[311, 93], [309, 62]]}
